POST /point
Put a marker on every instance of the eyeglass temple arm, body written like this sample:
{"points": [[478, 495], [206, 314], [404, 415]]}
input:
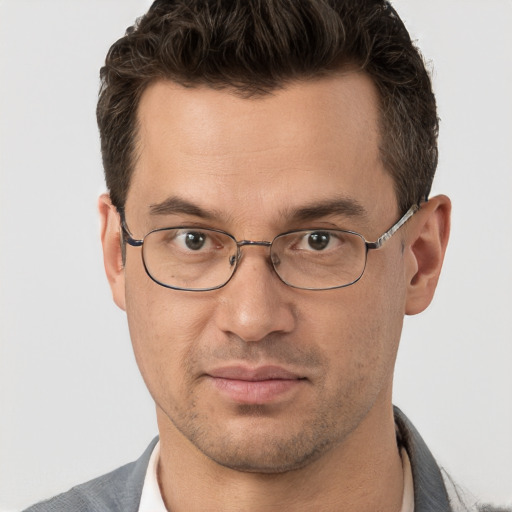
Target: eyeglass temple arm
{"points": [[126, 236], [393, 229]]}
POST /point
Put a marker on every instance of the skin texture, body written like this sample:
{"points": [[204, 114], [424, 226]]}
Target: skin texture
{"points": [[326, 441]]}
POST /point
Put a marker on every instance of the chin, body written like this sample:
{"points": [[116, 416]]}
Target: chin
{"points": [[271, 460], [264, 450]]}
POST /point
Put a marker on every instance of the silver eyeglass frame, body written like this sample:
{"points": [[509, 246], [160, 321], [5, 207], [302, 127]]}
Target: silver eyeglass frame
{"points": [[130, 240]]}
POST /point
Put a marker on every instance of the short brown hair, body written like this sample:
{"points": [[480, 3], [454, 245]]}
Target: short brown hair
{"points": [[257, 46]]}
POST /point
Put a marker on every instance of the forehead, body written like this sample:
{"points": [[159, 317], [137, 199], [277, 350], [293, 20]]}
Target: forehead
{"points": [[302, 143]]}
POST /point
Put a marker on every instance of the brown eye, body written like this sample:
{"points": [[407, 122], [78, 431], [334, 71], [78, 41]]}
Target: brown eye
{"points": [[319, 240], [195, 240]]}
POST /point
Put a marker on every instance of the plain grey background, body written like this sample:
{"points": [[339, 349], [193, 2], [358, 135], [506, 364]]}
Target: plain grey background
{"points": [[72, 403]]}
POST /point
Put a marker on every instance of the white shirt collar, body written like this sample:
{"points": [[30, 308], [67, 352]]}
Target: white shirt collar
{"points": [[151, 499], [408, 498]]}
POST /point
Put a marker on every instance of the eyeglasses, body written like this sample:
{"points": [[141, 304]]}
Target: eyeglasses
{"points": [[197, 259]]}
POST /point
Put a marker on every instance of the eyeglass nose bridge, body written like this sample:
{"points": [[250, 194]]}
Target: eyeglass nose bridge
{"points": [[262, 243], [253, 243]]}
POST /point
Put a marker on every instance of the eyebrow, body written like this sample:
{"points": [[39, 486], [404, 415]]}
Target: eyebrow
{"points": [[345, 206], [177, 205]]}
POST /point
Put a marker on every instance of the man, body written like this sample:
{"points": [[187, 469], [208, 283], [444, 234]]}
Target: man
{"points": [[266, 230]]}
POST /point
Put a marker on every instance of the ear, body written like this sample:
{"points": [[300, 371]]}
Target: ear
{"points": [[112, 253], [427, 238]]}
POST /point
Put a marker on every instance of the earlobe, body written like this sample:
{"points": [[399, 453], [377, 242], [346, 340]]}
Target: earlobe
{"points": [[425, 249], [112, 253]]}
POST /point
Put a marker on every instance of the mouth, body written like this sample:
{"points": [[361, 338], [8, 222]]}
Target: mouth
{"points": [[261, 385]]}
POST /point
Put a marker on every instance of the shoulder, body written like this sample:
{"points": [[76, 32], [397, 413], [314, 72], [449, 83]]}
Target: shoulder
{"points": [[490, 508], [99, 494], [434, 489], [463, 501], [119, 490]]}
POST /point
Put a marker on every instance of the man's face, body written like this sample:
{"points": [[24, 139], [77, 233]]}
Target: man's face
{"points": [[257, 375]]}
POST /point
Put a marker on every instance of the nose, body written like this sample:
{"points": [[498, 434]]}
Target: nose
{"points": [[255, 303]]}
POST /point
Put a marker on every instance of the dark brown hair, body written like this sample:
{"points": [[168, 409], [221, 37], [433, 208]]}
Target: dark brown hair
{"points": [[257, 46]]}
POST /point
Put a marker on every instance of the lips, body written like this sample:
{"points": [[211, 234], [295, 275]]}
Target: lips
{"points": [[254, 374], [259, 385]]}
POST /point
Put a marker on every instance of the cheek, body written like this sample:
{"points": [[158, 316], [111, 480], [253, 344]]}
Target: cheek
{"points": [[164, 326], [360, 326], [384, 313]]}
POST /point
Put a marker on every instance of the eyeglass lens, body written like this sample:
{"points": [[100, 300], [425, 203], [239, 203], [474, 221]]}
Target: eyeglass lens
{"points": [[202, 259]]}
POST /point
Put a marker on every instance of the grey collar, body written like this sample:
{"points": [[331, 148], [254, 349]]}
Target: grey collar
{"points": [[430, 493]]}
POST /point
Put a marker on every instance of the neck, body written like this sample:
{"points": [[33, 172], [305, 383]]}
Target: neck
{"points": [[362, 473]]}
